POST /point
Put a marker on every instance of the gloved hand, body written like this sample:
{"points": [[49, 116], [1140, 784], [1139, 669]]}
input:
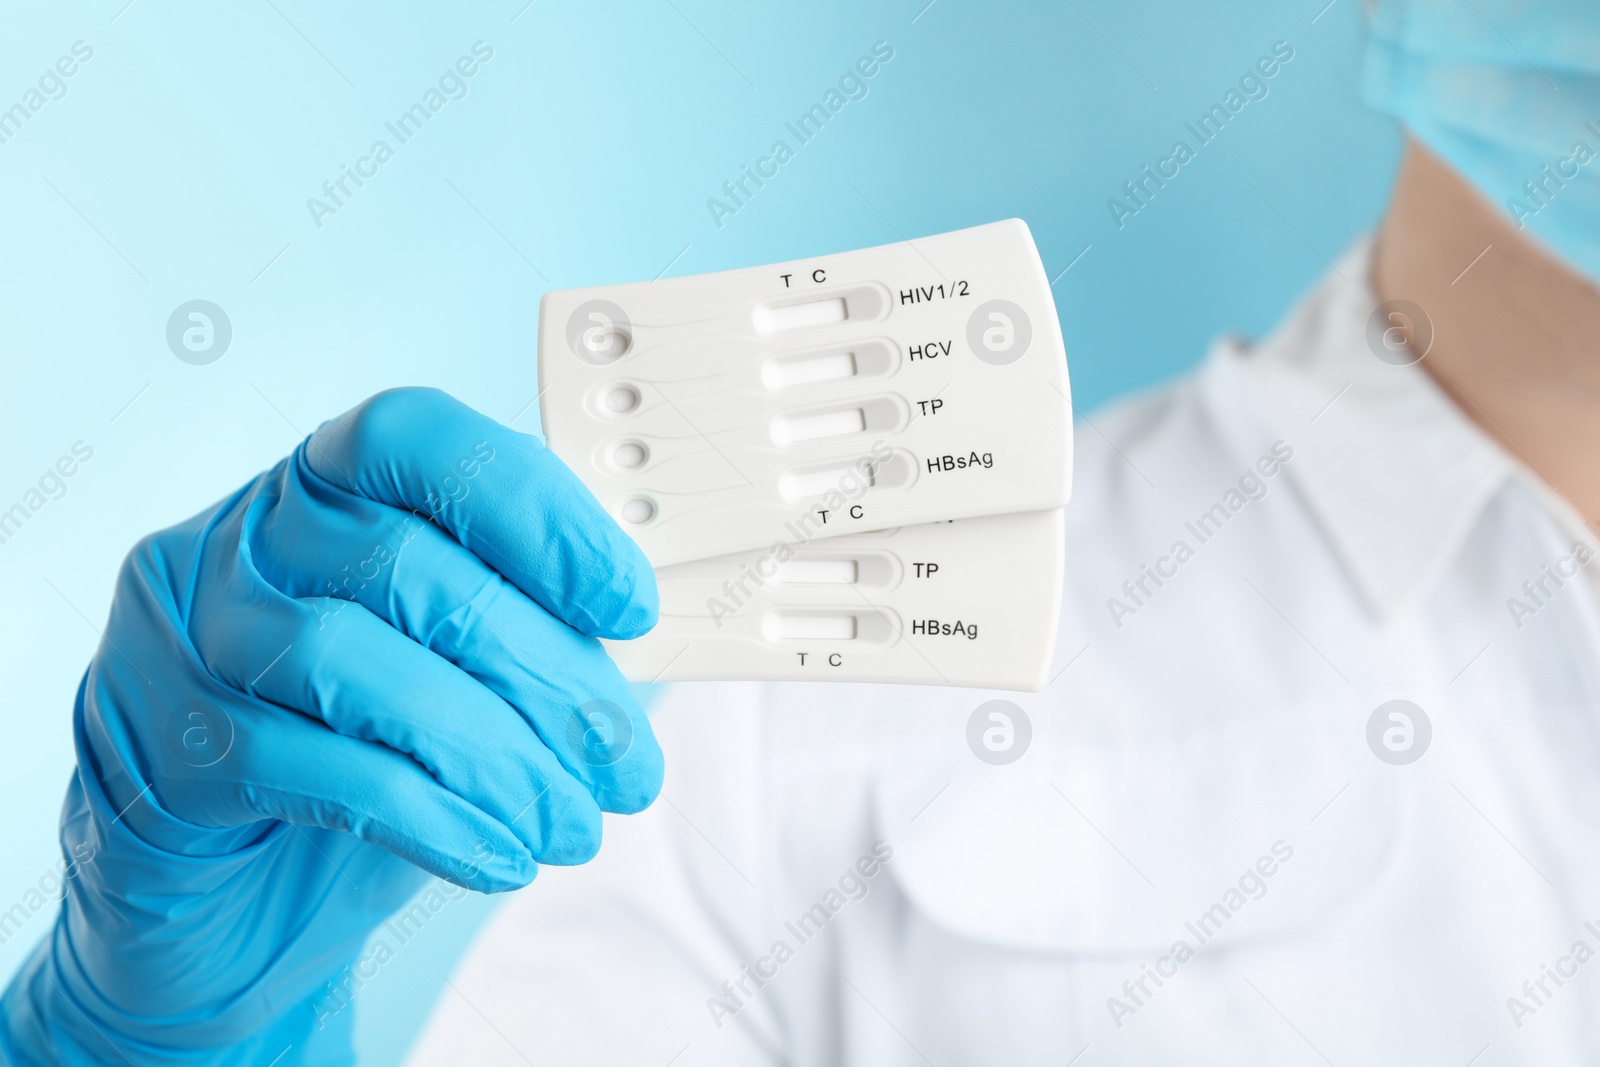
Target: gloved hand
{"points": [[378, 659]]}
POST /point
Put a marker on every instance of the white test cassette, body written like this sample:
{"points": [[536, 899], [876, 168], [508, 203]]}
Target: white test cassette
{"points": [[903, 384], [846, 468]]}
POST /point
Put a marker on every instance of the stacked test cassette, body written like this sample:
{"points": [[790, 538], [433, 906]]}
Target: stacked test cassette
{"points": [[846, 468]]}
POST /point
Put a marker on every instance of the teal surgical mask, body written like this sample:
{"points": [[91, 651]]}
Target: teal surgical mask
{"points": [[1508, 93]]}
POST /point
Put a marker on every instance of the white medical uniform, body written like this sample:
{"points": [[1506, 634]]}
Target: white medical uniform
{"points": [[1199, 775]]}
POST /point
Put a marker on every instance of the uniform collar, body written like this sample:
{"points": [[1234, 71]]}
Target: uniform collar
{"points": [[1394, 473]]}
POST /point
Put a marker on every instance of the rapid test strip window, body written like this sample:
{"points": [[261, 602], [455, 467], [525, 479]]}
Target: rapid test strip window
{"points": [[974, 602], [888, 387]]}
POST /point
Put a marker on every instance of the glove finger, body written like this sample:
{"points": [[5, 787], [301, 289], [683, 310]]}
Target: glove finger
{"points": [[271, 763], [318, 541], [499, 493], [386, 799], [336, 662]]}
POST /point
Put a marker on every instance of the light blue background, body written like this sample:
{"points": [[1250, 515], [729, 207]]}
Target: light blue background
{"points": [[179, 163]]}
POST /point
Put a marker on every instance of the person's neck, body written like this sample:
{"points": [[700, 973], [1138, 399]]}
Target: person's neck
{"points": [[1516, 333]]}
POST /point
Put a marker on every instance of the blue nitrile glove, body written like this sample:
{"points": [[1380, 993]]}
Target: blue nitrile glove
{"points": [[374, 661]]}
